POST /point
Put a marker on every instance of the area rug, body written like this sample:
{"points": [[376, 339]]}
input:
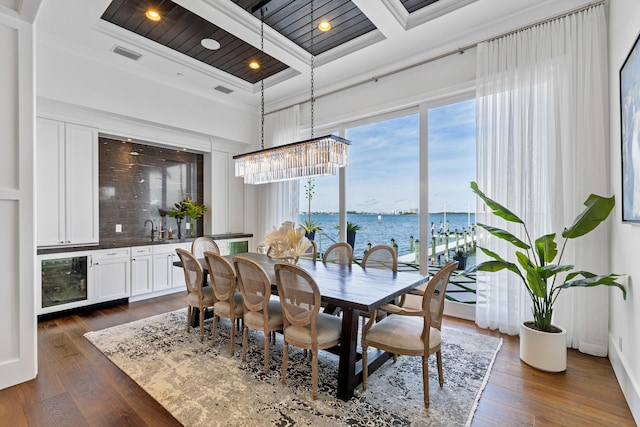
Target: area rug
{"points": [[201, 385]]}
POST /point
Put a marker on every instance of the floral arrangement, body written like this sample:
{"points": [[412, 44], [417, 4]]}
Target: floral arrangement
{"points": [[287, 241]]}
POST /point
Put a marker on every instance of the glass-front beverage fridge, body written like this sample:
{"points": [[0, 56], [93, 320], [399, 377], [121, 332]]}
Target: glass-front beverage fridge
{"points": [[65, 281]]}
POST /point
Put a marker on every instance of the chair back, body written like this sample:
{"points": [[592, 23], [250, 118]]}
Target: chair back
{"points": [[382, 256], [254, 284], [299, 296], [311, 252], [338, 253], [193, 273], [223, 277], [433, 299], [203, 244]]}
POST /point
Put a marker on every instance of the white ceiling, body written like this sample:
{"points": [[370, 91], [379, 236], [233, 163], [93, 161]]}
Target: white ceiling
{"points": [[403, 39]]}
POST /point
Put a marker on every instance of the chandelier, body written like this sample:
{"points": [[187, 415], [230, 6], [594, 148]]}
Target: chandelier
{"points": [[303, 159]]}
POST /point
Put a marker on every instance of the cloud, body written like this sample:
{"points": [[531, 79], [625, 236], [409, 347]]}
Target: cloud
{"points": [[383, 171]]}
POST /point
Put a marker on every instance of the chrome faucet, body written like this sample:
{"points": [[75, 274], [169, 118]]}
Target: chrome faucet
{"points": [[145, 224]]}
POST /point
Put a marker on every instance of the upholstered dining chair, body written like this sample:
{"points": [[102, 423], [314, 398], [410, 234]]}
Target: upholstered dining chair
{"points": [[197, 295], [202, 244], [228, 301], [261, 311], [312, 252], [411, 332], [338, 253], [381, 256], [304, 325]]}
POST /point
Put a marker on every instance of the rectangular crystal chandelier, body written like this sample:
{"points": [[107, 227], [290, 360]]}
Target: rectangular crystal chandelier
{"points": [[304, 159]]}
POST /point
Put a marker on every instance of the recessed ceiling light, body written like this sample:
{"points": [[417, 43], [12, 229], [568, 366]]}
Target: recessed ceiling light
{"points": [[254, 65], [153, 15], [324, 26], [210, 44]]}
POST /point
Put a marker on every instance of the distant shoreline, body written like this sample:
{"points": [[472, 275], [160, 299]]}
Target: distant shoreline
{"points": [[385, 213]]}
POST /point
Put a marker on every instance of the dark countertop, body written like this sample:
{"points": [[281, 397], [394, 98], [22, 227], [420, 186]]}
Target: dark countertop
{"points": [[135, 241]]}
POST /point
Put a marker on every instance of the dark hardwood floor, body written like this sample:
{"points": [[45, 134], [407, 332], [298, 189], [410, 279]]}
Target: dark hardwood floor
{"points": [[78, 386]]}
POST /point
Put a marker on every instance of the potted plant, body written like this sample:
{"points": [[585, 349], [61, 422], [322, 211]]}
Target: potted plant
{"points": [[310, 227], [178, 212], [195, 211], [542, 344], [352, 227], [461, 257], [187, 207]]}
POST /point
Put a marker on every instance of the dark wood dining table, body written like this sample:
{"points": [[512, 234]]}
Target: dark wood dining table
{"points": [[354, 290]]}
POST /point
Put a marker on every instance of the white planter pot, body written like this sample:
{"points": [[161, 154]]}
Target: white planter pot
{"points": [[546, 351]]}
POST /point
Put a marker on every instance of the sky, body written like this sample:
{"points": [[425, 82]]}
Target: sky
{"points": [[383, 174]]}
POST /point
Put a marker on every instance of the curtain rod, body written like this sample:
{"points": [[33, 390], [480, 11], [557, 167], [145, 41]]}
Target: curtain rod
{"points": [[460, 51]]}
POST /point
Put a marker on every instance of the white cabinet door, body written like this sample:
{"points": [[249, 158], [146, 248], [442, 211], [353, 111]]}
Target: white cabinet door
{"points": [[82, 184], [141, 270], [220, 191], [235, 201], [50, 183], [227, 209], [112, 276], [141, 274], [162, 271], [66, 184], [177, 274]]}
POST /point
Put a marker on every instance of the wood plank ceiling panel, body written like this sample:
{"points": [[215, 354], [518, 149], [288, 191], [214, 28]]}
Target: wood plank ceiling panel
{"points": [[414, 5], [181, 30], [291, 18]]}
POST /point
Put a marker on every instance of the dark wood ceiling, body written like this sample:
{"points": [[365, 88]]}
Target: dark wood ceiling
{"points": [[414, 5], [182, 30], [292, 19]]}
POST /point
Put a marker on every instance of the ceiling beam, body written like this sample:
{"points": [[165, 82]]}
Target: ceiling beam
{"points": [[242, 24], [381, 17]]}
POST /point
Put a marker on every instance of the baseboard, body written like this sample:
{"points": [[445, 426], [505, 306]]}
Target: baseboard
{"points": [[156, 294], [629, 387], [460, 310]]}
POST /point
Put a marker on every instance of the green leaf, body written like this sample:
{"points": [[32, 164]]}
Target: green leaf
{"points": [[492, 254], [547, 248], [505, 235], [598, 209], [537, 285], [593, 280], [496, 207], [551, 270]]}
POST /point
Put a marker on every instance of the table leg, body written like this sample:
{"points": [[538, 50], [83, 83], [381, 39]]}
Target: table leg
{"points": [[347, 378]]}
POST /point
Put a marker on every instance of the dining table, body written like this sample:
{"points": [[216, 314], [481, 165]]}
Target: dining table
{"points": [[355, 291]]}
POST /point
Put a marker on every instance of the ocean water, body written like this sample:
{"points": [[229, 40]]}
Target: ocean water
{"points": [[381, 231]]}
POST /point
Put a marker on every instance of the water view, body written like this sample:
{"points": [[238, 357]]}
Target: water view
{"points": [[380, 229]]}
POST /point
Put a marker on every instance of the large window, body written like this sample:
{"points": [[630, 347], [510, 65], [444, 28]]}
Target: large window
{"points": [[382, 183]]}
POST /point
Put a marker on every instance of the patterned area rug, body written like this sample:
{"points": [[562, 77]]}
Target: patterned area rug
{"points": [[203, 385]]}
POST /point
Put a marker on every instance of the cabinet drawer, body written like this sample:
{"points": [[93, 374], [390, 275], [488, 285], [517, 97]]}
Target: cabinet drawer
{"points": [[140, 250], [112, 253], [170, 248]]}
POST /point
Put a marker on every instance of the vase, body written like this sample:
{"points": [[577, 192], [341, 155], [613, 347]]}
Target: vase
{"points": [[351, 238], [179, 221], [193, 228], [546, 351]]}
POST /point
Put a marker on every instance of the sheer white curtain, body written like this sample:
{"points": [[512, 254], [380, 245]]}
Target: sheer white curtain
{"points": [[278, 202], [542, 132]]}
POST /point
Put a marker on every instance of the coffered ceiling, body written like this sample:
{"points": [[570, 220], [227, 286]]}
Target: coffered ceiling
{"points": [[368, 38]]}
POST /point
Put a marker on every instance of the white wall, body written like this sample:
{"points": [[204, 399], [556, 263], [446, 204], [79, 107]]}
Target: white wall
{"points": [[67, 77], [18, 361], [428, 82], [624, 27]]}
